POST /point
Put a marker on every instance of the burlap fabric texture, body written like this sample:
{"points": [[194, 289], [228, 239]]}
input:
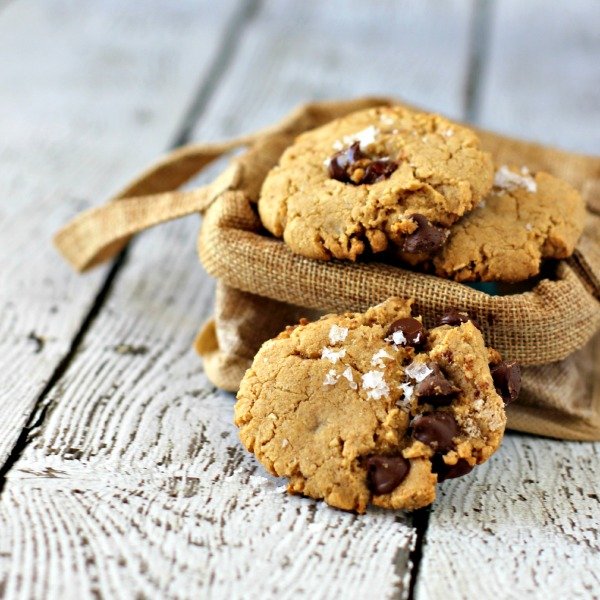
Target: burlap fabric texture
{"points": [[551, 328]]}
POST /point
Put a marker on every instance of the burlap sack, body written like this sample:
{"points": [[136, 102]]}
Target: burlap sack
{"points": [[551, 328]]}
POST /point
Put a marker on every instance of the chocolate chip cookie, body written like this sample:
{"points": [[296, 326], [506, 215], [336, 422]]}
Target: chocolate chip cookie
{"points": [[372, 407], [526, 218], [376, 178]]}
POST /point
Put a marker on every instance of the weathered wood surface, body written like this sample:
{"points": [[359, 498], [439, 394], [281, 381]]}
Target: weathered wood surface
{"points": [[135, 483], [525, 527], [89, 95], [342, 49]]}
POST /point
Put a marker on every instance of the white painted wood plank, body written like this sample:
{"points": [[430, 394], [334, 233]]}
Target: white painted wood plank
{"points": [[525, 527], [543, 81], [170, 503], [313, 50], [90, 93]]}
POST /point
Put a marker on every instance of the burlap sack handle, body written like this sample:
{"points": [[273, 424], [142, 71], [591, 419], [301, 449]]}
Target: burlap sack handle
{"points": [[99, 234]]}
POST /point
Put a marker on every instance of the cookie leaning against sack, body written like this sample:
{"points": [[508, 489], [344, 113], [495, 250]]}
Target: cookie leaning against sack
{"points": [[375, 177], [525, 219], [372, 408]]}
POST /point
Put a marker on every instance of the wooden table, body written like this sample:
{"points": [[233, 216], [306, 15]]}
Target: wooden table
{"points": [[122, 475]]}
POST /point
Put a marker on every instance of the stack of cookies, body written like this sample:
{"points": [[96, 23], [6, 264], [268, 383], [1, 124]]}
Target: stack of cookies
{"points": [[372, 408], [418, 189]]}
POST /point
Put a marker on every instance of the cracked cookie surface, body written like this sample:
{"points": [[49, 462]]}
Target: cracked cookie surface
{"points": [[525, 219], [353, 185], [371, 407]]}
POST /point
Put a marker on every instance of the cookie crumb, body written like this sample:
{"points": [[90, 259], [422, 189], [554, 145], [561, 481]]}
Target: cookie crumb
{"points": [[375, 385], [508, 180], [418, 371], [333, 355], [337, 334]]}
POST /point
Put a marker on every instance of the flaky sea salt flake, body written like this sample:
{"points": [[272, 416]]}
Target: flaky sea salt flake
{"points": [[418, 371], [397, 338], [375, 385], [337, 334], [347, 374], [365, 137], [506, 179], [331, 377], [333, 355], [378, 357], [408, 389]]}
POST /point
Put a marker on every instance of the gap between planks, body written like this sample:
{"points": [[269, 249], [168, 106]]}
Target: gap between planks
{"points": [[479, 44], [223, 58]]}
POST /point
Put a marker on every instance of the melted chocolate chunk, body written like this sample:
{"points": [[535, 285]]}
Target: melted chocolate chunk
{"points": [[444, 471], [378, 170], [436, 389], [507, 380], [413, 331], [436, 430], [426, 238], [343, 164], [456, 317], [386, 473]]}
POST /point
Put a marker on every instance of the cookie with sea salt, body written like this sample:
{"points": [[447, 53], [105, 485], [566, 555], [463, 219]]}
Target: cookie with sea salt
{"points": [[373, 408], [380, 178], [525, 219]]}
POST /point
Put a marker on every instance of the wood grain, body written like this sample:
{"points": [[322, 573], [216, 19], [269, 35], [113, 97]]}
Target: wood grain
{"points": [[525, 527], [79, 113], [168, 503]]}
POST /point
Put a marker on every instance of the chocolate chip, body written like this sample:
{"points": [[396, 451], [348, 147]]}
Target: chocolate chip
{"points": [[444, 471], [413, 331], [507, 380], [426, 238], [456, 317], [378, 170], [436, 389], [386, 473], [343, 163], [436, 430]]}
